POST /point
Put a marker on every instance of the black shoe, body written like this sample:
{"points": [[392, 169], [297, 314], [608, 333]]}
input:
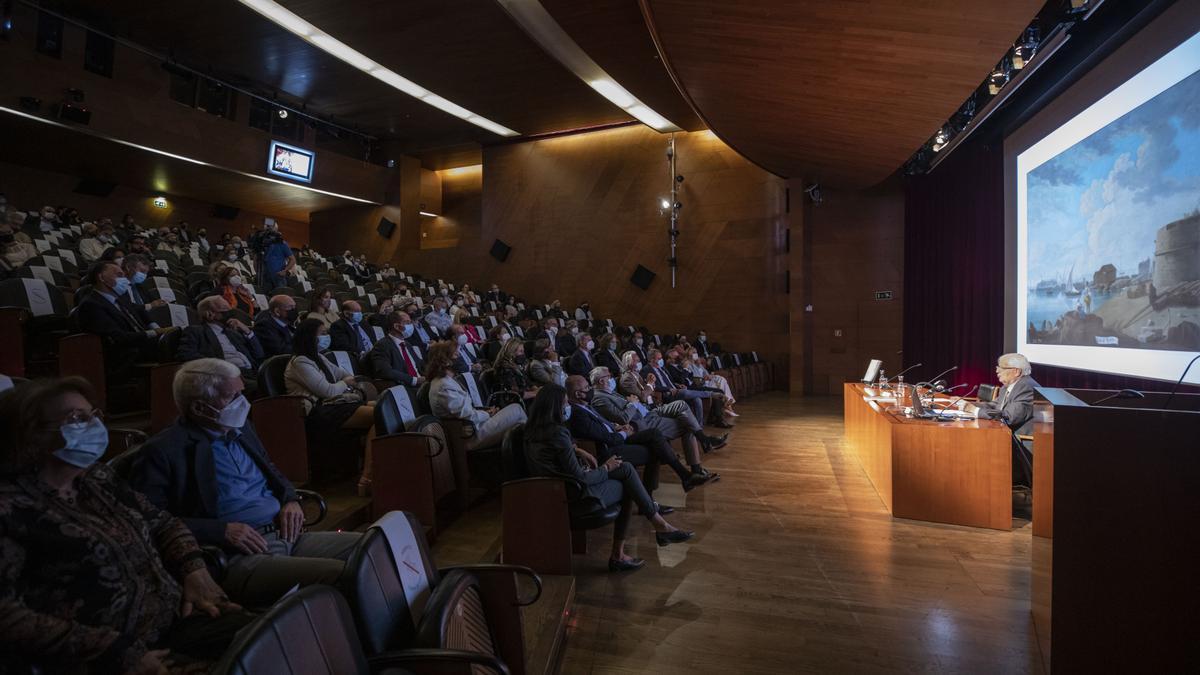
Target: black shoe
{"points": [[625, 565], [709, 476], [672, 537], [662, 510], [695, 480], [722, 424], [715, 442]]}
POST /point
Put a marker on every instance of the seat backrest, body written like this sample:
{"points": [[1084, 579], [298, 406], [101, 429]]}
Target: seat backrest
{"points": [[270, 375], [441, 463], [422, 406], [455, 617], [39, 297], [310, 631], [123, 464], [512, 452], [394, 411]]}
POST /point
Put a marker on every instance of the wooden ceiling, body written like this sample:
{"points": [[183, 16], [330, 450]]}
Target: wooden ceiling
{"points": [[840, 92], [837, 92]]}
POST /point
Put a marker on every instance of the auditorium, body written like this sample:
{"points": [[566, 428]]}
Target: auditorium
{"points": [[528, 337]]}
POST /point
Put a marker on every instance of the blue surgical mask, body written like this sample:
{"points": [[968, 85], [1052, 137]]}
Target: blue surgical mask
{"points": [[610, 386], [659, 363], [86, 443], [408, 330], [356, 317], [462, 339], [139, 277], [121, 285], [566, 412], [323, 342]]}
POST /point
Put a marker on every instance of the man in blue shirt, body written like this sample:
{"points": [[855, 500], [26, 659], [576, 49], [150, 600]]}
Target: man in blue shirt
{"points": [[211, 470], [277, 261]]}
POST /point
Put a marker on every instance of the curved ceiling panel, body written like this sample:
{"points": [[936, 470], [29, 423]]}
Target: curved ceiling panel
{"points": [[838, 92]]}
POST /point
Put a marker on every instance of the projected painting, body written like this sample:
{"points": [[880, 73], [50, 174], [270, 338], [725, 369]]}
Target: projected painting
{"points": [[1114, 232]]}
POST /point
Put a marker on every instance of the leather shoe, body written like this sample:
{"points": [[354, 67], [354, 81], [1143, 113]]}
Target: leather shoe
{"points": [[625, 565], [695, 480], [672, 537], [715, 442]]}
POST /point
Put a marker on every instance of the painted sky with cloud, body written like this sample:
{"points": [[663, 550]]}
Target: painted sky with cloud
{"points": [[1103, 199]]}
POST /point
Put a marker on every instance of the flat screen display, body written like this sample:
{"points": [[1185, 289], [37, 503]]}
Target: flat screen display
{"points": [[290, 162]]}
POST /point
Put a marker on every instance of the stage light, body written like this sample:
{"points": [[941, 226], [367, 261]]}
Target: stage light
{"points": [[282, 114], [1024, 52], [940, 140], [997, 80], [678, 205], [288, 20], [664, 204]]}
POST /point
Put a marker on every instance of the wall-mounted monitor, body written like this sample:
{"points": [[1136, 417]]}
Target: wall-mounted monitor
{"points": [[291, 162]]}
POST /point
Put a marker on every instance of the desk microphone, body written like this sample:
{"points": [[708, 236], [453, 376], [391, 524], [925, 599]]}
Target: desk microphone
{"points": [[918, 365], [1176, 387], [951, 403], [1124, 393], [934, 380], [947, 390]]}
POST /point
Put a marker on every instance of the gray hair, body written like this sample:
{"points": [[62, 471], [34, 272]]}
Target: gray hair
{"points": [[199, 381], [597, 373], [206, 304], [627, 359], [1017, 361]]}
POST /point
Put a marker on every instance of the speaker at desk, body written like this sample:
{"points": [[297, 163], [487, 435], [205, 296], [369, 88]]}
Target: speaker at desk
{"points": [[988, 392], [642, 277], [500, 250], [386, 228]]}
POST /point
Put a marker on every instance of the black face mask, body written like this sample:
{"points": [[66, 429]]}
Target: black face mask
{"points": [[226, 315], [520, 360], [292, 315]]}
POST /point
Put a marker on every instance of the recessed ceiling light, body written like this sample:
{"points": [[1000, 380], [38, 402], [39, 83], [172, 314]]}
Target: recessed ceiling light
{"points": [[613, 92], [649, 117], [291, 22]]}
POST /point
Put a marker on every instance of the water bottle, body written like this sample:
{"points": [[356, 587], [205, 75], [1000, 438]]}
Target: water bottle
{"points": [[883, 383]]}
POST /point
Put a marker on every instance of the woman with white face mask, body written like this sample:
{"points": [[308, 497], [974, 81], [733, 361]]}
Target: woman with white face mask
{"points": [[95, 578]]}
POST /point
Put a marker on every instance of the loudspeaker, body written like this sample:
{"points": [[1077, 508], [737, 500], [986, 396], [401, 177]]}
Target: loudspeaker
{"points": [[500, 250], [96, 188], [226, 212], [642, 277], [386, 228]]}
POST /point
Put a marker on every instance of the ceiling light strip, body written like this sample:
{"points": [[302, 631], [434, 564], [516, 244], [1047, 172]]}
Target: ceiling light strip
{"points": [[182, 158], [533, 18], [291, 22]]}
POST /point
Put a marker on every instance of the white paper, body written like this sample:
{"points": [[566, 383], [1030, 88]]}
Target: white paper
{"points": [[42, 245], [42, 273], [306, 286], [378, 332], [520, 332], [53, 262], [538, 314], [414, 575], [755, 356], [492, 320], [69, 255], [479, 332], [737, 360], [38, 296], [474, 311], [419, 301], [179, 316], [166, 294], [403, 405], [372, 300], [658, 340], [161, 283], [343, 360], [162, 265], [6, 382], [469, 378], [260, 300]]}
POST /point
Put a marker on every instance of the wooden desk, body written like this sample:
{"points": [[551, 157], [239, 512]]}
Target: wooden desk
{"points": [[945, 472]]}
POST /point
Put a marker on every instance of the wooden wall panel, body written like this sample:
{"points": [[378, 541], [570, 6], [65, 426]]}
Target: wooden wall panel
{"points": [[28, 188]]}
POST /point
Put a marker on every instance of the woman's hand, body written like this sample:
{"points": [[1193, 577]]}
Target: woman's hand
{"points": [[585, 458], [349, 380], [202, 593], [612, 463]]}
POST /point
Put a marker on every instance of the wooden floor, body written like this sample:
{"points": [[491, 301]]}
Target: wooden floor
{"points": [[796, 567]]}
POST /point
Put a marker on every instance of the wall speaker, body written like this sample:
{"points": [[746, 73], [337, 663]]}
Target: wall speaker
{"points": [[500, 250], [386, 228], [226, 212], [96, 188], [642, 277]]}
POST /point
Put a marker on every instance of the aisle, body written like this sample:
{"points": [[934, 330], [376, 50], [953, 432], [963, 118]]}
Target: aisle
{"points": [[797, 567]]}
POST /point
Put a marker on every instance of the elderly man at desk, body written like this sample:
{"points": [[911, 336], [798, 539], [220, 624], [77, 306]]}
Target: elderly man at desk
{"points": [[1013, 405]]}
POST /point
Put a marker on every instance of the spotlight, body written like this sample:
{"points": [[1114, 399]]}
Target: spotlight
{"points": [[1025, 51], [664, 204], [678, 179], [678, 205], [814, 193], [997, 79], [283, 114], [940, 140]]}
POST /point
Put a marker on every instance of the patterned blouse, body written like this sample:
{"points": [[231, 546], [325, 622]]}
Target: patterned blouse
{"points": [[96, 581]]}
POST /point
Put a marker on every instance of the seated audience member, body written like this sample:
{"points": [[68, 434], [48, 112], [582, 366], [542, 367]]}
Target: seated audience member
{"points": [[394, 359], [508, 371], [450, 399], [14, 253], [95, 578], [650, 447], [137, 244], [697, 367], [402, 295], [220, 337], [669, 390], [497, 336], [275, 327], [235, 258], [701, 345], [202, 240], [90, 246], [550, 451], [496, 295], [556, 310], [584, 312], [380, 318], [631, 382], [321, 307], [546, 368], [438, 321], [350, 333], [211, 470], [568, 338], [458, 310], [673, 420], [606, 353], [168, 242], [231, 286], [127, 337], [1014, 406], [637, 344], [333, 399], [466, 359], [137, 270], [581, 362], [681, 377]]}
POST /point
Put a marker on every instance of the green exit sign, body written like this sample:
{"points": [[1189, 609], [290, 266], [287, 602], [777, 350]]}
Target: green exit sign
{"points": [[883, 295]]}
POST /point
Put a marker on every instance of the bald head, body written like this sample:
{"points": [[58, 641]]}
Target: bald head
{"points": [[282, 306], [577, 389], [212, 309]]}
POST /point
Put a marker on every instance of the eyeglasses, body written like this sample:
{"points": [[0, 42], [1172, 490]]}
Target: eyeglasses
{"points": [[76, 417]]}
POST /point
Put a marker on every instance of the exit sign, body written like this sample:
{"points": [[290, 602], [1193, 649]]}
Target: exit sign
{"points": [[883, 295]]}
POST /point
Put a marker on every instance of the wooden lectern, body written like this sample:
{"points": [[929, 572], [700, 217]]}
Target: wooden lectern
{"points": [[1116, 533]]}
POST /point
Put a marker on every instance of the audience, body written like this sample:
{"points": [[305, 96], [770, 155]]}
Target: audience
{"points": [[124, 329], [682, 377], [95, 577], [220, 336], [231, 286], [450, 399], [546, 368], [321, 307], [211, 470], [508, 372], [581, 362], [275, 327], [13, 252], [137, 270], [551, 451], [394, 359], [606, 353], [350, 333], [90, 245], [697, 366]]}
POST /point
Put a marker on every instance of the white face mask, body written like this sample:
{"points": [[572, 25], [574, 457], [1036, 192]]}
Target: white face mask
{"points": [[235, 281], [505, 337], [590, 345], [462, 339], [233, 415], [637, 341]]}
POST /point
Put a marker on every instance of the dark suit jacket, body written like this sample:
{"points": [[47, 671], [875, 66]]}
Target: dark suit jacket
{"points": [[580, 363], [343, 336], [199, 342], [591, 427], [176, 473], [387, 363], [566, 344], [679, 376], [640, 351], [701, 348], [606, 359], [552, 453], [1017, 409], [124, 340], [660, 385], [273, 338]]}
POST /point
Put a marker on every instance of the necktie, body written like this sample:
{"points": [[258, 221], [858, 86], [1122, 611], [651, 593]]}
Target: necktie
{"points": [[412, 369], [133, 320], [363, 340]]}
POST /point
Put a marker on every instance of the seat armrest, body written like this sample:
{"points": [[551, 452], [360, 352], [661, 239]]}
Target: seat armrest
{"points": [[482, 569], [426, 660], [316, 498], [215, 560], [441, 446]]}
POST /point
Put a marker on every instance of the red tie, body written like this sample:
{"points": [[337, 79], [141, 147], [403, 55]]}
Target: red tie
{"points": [[412, 370]]}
